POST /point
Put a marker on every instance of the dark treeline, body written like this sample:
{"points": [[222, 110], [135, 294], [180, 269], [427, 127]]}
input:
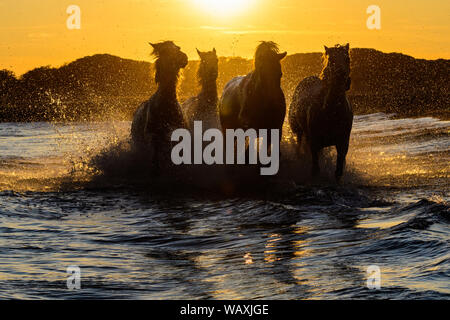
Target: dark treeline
{"points": [[91, 88], [103, 87]]}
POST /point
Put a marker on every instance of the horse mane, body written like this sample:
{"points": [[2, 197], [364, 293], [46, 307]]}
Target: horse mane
{"points": [[264, 50], [324, 65]]}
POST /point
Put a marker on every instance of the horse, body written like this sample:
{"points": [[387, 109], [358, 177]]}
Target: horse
{"points": [[256, 101], [320, 110], [155, 119], [203, 107]]}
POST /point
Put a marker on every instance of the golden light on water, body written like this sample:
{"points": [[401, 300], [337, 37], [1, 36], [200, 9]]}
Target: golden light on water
{"points": [[270, 254], [224, 7]]}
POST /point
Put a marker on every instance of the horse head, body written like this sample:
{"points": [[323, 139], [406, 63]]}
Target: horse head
{"points": [[209, 66], [337, 66], [268, 63], [170, 59]]}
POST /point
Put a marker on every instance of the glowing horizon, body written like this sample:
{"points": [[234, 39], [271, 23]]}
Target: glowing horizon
{"points": [[224, 7], [35, 34]]}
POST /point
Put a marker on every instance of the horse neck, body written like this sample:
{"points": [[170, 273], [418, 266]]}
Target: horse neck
{"points": [[265, 86], [209, 89], [334, 95], [168, 88]]}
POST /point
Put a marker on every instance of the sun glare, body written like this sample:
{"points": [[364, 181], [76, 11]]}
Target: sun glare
{"points": [[223, 7]]}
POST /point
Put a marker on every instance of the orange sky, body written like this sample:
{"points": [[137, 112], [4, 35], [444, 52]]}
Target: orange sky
{"points": [[34, 33]]}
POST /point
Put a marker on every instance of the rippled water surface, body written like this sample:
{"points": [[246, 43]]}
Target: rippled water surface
{"points": [[284, 237]]}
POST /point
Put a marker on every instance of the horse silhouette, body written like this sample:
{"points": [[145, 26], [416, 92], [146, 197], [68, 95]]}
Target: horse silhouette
{"points": [[256, 100], [204, 106], [155, 120], [320, 110]]}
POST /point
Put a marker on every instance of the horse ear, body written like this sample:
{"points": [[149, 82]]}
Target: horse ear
{"points": [[347, 46], [155, 47], [214, 50], [326, 49], [200, 54], [281, 56]]}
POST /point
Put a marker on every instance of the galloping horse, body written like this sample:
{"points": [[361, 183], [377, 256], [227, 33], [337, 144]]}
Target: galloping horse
{"points": [[204, 106], [320, 110], [155, 120], [256, 100]]}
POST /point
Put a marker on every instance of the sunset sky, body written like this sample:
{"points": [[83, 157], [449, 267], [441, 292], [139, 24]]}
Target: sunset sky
{"points": [[34, 33]]}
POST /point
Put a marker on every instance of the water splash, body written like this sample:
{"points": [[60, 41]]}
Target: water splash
{"points": [[385, 151]]}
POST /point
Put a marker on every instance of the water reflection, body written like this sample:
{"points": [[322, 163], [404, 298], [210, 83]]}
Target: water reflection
{"points": [[292, 241]]}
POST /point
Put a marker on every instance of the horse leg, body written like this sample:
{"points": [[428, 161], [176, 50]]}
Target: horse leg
{"points": [[269, 140], [315, 160], [298, 150], [280, 137], [247, 150], [225, 147], [342, 149], [156, 159], [161, 155], [269, 143], [252, 147]]}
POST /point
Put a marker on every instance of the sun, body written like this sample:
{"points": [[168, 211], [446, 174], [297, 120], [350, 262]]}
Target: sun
{"points": [[223, 7]]}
